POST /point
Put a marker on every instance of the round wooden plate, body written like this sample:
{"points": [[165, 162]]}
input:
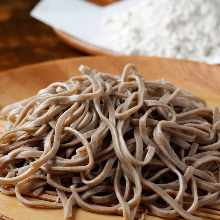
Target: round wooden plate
{"points": [[201, 79]]}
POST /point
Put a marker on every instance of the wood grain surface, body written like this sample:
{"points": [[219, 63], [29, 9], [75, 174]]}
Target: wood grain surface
{"points": [[103, 2], [200, 79], [25, 40]]}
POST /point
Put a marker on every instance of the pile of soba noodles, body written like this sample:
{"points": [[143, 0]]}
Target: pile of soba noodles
{"points": [[112, 144]]}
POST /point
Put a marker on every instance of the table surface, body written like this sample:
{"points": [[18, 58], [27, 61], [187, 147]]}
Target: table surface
{"points": [[24, 40]]}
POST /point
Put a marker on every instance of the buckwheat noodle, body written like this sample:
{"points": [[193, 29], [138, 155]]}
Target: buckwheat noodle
{"points": [[112, 145]]}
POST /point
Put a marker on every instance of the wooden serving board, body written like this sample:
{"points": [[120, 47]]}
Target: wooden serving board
{"points": [[201, 79]]}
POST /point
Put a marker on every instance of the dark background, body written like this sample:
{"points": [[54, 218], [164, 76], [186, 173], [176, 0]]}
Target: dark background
{"points": [[24, 40]]}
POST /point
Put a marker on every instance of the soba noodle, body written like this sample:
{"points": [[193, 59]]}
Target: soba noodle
{"points": [[113, 145]]}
